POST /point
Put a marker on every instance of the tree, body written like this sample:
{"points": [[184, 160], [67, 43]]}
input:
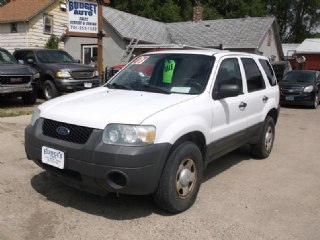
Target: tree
{"points": [[297, 19], [52, 43]]}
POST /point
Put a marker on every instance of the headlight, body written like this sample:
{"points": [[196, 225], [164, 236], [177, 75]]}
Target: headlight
{"points": [[63, 74], [35, 76], [96, 73], [35, 116], [136, 135], [308, 89]]}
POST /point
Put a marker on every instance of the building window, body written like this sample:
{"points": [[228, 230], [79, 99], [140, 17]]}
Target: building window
{"points": [[89, 54], [14, 27], [47, 23]]}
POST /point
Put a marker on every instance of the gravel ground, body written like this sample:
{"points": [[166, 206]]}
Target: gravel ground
{"points": [[240, 198]]}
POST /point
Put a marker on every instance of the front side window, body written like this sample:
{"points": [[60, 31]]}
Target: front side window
{"points": [[269, 72], [6, 57], [52, 56], [254, 77], [229, 73], [165, 73], [47, 24]]}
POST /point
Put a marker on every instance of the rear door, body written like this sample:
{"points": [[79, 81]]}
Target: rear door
{"points": [[256, 92]]}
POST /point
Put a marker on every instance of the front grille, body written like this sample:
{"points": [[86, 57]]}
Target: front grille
{"points": [[14, 79], [77, 134], [80, 75], [293, 91]]}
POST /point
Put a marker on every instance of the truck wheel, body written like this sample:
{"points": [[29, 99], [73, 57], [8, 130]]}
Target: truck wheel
{"points": [[181, 179], [29, 98], [263, 147], [49, 90]]}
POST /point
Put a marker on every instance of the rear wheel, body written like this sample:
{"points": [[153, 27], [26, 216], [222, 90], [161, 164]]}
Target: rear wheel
{"points": [[263, 147], [49, 90], [181, 179]]}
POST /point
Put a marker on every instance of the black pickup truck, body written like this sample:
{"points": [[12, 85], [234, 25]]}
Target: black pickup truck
{"points": [[16, 80], [59, 72]]}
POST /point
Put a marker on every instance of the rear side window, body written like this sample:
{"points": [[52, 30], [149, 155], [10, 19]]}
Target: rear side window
{"points": [[254, 77], [269, 72]]}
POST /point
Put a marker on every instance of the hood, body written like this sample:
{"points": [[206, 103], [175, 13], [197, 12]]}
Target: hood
{"points": [[14, 69], [294, 84], [98, 107], [70, 66]]}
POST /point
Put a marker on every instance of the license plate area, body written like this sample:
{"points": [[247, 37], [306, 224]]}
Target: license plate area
{"points": [[290, 98], [88, 85], [53, 157]]}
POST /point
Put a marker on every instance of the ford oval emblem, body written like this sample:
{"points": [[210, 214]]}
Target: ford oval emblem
{"points": [[63, 131]]}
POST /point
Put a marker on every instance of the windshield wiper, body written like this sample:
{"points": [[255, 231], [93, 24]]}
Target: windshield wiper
{"points": [[150, 88], [118, 86]]}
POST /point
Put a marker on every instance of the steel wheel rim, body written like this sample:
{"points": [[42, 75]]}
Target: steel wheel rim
{"points": [[268, 138], [48, 92], [186, 177]]}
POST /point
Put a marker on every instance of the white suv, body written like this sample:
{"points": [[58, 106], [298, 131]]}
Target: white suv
{"points": [[154, 127]]}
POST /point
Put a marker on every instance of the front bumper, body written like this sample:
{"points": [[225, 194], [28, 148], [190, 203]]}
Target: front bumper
{"points": [[6, 89], [304, 99], [69, 85], [100, 168]]}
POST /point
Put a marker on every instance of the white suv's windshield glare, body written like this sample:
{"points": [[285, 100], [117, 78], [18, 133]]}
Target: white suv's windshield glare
{"points": [[165, 73]]}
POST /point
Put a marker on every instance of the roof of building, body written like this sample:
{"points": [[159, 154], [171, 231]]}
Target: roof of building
{"points": [[231, 33], [309, 45], [133, 26], [22, 10]]}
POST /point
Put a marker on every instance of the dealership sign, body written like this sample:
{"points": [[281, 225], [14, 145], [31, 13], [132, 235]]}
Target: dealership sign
{"points": [[83, 16]]}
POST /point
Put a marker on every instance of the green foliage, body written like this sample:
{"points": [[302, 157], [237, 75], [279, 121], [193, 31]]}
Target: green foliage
{"points": [[52, 43], [296, 19]]}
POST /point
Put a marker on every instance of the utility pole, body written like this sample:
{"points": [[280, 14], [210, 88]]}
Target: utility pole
{"points": [[100, 36]]}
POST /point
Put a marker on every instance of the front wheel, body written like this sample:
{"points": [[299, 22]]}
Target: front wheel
{"points": [[29, 98], [263, 147], [316, 101], [181, 179], [49, 90]]}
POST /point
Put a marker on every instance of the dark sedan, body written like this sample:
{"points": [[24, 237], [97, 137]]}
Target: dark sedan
{"points": [[300, 87]]}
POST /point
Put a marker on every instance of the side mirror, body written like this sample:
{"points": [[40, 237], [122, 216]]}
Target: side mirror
{"points": [[226, 90], [77, 61], [30, 61]]}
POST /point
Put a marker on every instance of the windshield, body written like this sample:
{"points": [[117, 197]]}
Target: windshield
{"points": [[165, 73], [6, 57], [300, 76], [54, 57]]}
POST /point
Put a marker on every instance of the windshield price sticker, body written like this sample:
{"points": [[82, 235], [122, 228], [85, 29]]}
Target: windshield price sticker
{"points": [[168, 70], [83, 16]]}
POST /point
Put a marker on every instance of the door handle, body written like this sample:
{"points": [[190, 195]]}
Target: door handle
{"points": [[265, 99], [243, 105]]}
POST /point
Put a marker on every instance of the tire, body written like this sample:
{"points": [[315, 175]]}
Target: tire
{"points": [[263, 147], [29, 98], [316, 101], [181, 179], [49, 90]]}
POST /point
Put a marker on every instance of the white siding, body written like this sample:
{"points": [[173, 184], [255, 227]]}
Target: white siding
{"points": [[60, 20], [11, 41], [271, 50]]}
